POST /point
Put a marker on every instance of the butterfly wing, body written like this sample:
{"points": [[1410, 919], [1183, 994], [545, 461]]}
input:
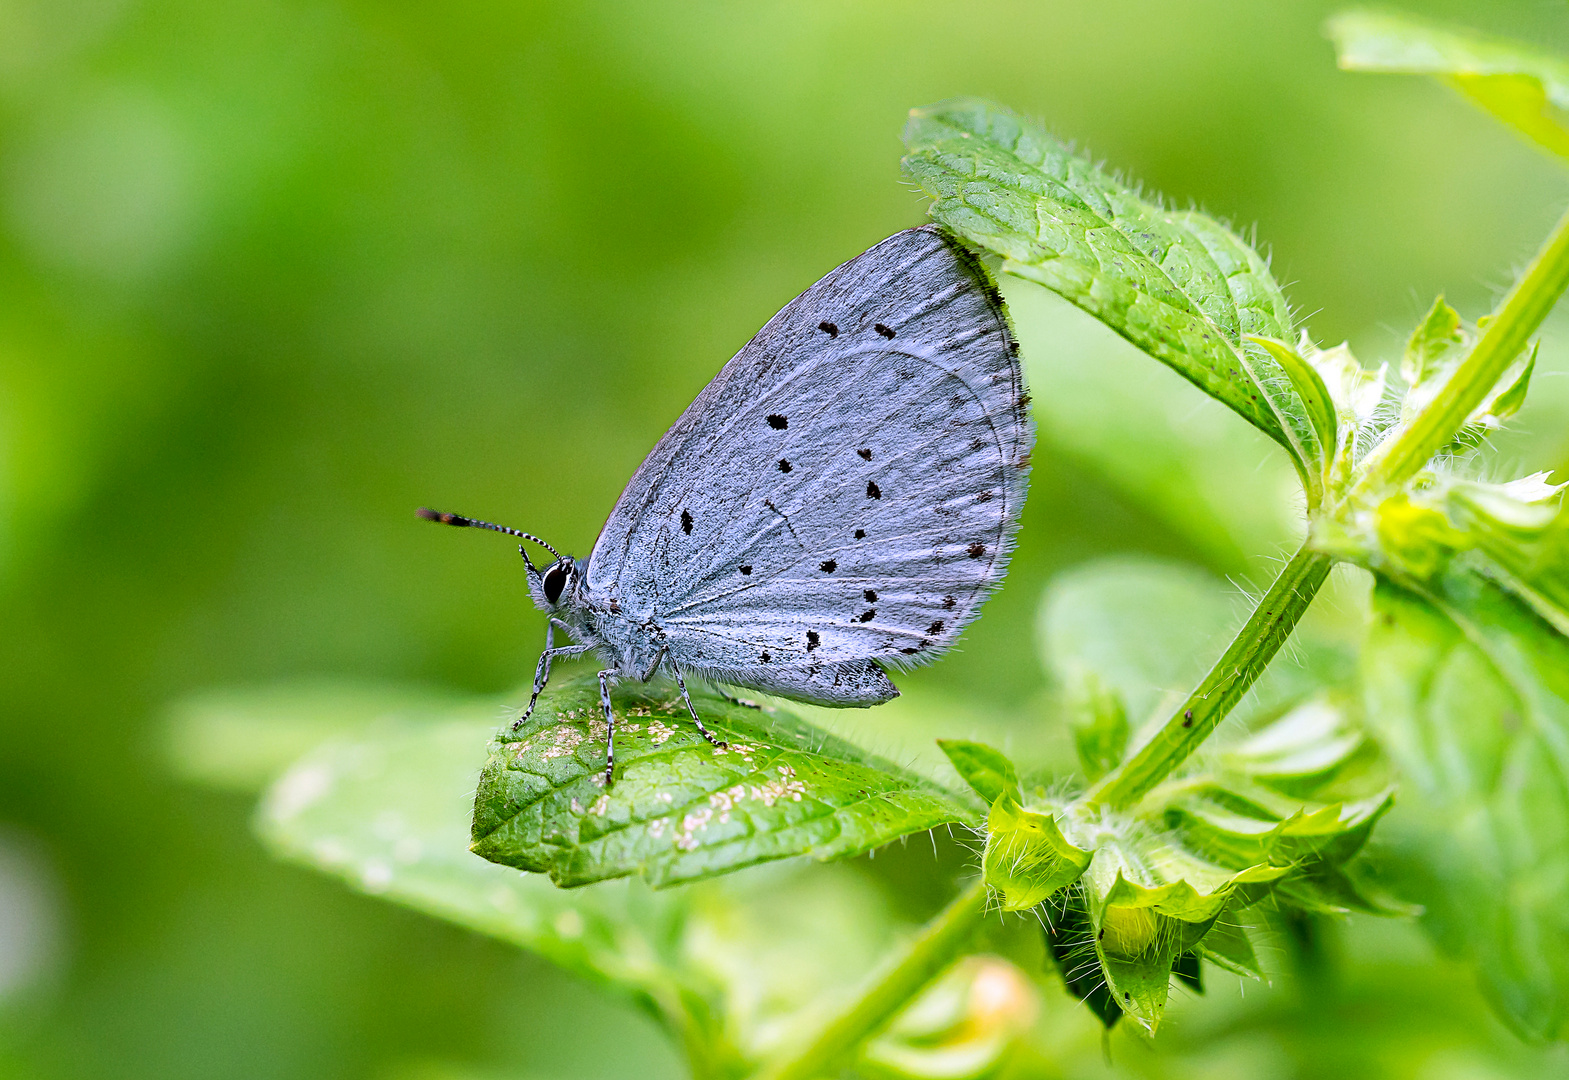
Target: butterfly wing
{"points": [[844, 493]]}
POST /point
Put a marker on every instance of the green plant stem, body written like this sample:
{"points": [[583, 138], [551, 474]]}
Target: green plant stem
{"points": [[1505, 337], [889, 990], [1243, 662]]}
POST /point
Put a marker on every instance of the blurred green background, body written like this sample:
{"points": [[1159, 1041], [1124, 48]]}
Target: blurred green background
{"points": [[275, 272]]}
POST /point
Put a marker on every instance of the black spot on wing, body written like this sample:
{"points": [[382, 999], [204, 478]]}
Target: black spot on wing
{"points": [[686, 521], [828, 566], [871, 596], [935, 627], [867, 616], [777, 422], [811, 640], [975, 550], [949, 601], [746, 570], [784, 465], [866, 455], [860, 534], [872, 492], [883, 330], [828, 328]]}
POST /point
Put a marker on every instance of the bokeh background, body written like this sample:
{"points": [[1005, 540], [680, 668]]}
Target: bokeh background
{"points": [[275, 272]]}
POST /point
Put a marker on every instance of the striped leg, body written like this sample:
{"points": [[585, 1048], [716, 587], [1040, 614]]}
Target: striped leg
{"points": [[542, 669], [701, 730], [605, 679]]}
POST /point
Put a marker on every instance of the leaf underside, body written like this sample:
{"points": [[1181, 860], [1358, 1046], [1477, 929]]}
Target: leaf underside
{"points": [[681, 809], [1469, 692], [1177, 284]]}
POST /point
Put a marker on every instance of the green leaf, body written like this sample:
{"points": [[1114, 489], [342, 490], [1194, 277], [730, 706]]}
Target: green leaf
{"points": [[732, 968], [1520, 85], [1434, 346], [388, 814], [986, 770], [1178, 285], [1228, 946], [1310, 388], [1099, 722], [1027, 858], [1148, 906], [1469, 692], [1172, 451], [680, 809], [1527, 544], [242, 738]]}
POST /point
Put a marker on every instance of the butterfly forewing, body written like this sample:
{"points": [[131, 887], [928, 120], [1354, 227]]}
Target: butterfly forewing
{"points": [[845, 490]]}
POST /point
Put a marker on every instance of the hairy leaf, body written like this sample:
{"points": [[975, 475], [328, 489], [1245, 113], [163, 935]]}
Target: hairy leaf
{"points": [[1149, 905], [986, 770], [1469, 693], [1027, 858], [1310, 388], [1519, 84], [1178, 285], [680, 809]]}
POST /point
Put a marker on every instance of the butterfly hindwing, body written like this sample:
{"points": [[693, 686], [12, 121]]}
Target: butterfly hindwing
{"points": [[846, 490]]}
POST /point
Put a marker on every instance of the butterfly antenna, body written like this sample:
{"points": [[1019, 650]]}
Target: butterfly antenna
{"points": [[471, 523]]}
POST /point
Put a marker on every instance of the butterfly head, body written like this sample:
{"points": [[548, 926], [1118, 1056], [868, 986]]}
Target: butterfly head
{"points": [[555, 585]]}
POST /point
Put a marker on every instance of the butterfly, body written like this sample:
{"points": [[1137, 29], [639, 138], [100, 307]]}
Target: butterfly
{"points": [[836, 503]]}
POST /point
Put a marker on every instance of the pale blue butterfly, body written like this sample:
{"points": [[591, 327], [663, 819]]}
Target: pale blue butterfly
{"points": [[839, 500]]}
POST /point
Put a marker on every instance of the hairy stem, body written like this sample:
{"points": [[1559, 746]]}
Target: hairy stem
{"points": [[890, 989], [1249, 654], [1504, 338]]}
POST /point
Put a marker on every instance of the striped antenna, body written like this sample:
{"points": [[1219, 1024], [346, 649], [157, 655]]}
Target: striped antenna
{"points": [[471, 523]]}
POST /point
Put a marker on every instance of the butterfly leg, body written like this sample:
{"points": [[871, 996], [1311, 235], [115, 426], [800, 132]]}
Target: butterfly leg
{"points": [[542, 669], [606, 677], [701, 730]]}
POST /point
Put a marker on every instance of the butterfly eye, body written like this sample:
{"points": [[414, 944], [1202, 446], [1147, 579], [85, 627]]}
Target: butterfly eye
{"points": [[555, 581]]}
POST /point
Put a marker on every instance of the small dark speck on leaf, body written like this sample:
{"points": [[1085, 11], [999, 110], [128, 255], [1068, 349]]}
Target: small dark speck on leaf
{"points": [[777, 422], [976, 550], [784, 465], [828, 328], [828, 566], [686, 521], [872, 490], [883, 330]]}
